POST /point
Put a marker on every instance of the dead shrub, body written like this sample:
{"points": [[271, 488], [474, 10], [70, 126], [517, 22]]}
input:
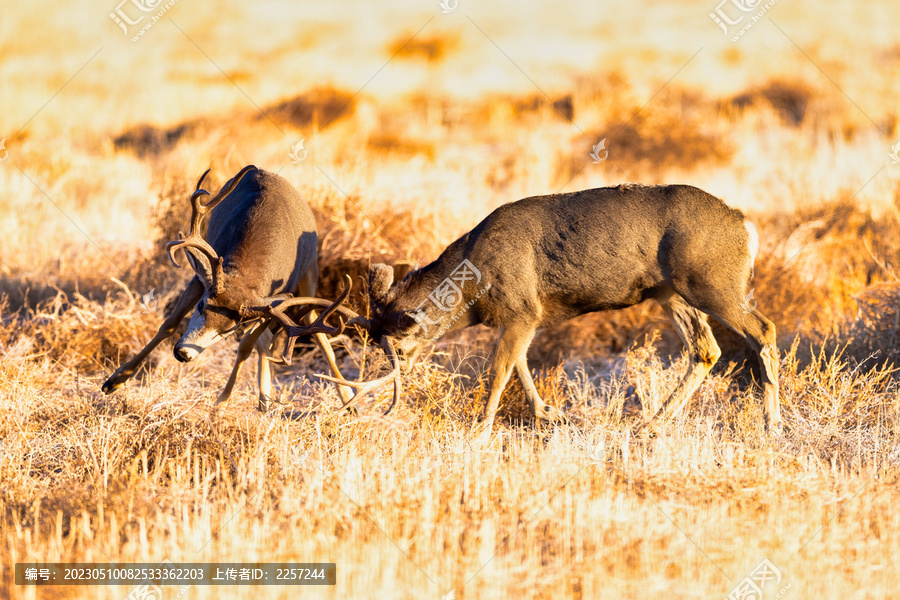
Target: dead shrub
{"points": [[319, 107], [790, 99], [431, 49], [149, 140]]}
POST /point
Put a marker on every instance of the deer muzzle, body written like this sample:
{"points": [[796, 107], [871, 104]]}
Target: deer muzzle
{"points": [[196, 339]]}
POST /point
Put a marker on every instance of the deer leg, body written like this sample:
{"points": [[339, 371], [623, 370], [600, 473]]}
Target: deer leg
{"points": [[307, 287], [189, 297], [709, 294], [763, 337], [245, 348], [702, 351], [760, 334], [264, 372], [512, 345], [541, 411], [325, 347]]}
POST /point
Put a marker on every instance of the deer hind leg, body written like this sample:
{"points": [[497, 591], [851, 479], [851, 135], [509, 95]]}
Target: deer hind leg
{"points": [[511, 349], [702, 351], [307, 287], [760, 334], [245, 348], [541, 411], [189, 297], [264, 372]]}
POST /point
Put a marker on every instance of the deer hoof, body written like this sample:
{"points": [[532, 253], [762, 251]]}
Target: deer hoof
{"points": [[650, 428], [549, 414], [633, 404], [112, 384]]}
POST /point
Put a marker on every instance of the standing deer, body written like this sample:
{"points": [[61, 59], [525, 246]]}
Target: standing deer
{"points": [[545, 259], [261, 243]]}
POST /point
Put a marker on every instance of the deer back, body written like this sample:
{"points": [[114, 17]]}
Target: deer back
{"points": [[562, 255], [265, 233]]}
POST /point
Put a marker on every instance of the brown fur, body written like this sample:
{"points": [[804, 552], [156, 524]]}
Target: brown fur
{"points": [[546, 259], [265, 237]]}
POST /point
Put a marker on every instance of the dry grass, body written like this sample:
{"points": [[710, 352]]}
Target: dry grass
{"points": [[407, 505]]}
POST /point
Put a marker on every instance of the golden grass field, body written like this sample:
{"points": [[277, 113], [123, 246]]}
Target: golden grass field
{"points": [[416, 124]]}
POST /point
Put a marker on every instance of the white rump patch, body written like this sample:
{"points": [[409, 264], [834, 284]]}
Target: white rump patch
{"points": [[752, 241]]}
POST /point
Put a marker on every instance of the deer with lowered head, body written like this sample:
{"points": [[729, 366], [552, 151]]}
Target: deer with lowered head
{"points": [[260, 247], [542, 260]]}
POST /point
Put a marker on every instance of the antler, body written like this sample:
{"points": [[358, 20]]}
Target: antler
{"points": [[318, 326], [366, 387], [276, 310], [287, 301], [198, 211]]}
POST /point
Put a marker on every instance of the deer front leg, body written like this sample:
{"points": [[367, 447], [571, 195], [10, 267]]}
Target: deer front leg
{"points": [[307, 287], [245, 348], [328, 351], [264, 372], [512, 345], [542, 412], [189, 297]]}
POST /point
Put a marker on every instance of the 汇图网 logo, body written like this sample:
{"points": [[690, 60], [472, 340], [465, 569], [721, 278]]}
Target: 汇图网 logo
{"points": [[751, 587], [448, 295]]}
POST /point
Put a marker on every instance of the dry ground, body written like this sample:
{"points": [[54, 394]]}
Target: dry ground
{"points": [[416, 123]]}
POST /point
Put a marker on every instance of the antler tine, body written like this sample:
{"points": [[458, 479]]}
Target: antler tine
{"points": [[223, 193], [295, 331], [318, 326], [197, 242], [198, 211], [364, 388], [333, 306], [200, 181], [255, 312], [198, 191], [287, 301]]}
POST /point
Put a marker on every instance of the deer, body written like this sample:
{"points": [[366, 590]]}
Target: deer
{"points": [[542, 260], [259, 250]]}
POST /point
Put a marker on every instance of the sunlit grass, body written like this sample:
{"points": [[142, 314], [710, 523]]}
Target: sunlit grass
{"points": [[398, 166]]}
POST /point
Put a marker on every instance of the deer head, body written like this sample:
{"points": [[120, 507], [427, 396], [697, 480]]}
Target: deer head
{"points": [[389, 319], [218, 313], [275, 308]]}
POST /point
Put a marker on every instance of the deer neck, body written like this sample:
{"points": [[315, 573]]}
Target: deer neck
{"points": [[442, 296]]}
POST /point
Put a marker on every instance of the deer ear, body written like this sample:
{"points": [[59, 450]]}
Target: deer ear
{"points": [[202, 267], [381, 277], [406, 320], [401, 269], [210, 273]]}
